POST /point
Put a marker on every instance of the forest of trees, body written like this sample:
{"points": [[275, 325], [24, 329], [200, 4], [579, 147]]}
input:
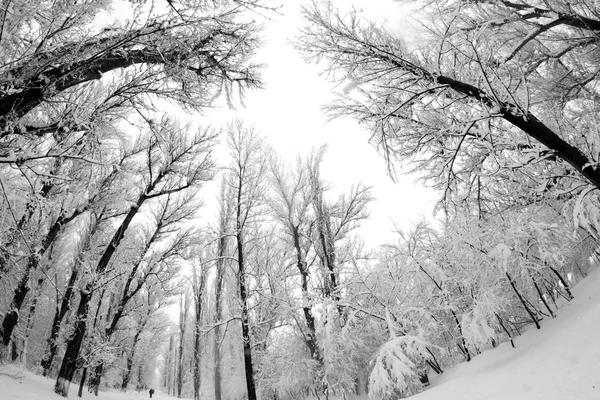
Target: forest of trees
{"points": [[113, 274]]}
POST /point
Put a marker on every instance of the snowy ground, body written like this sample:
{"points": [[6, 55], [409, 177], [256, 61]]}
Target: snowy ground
{"points": [[16, 384], [559, 362]]}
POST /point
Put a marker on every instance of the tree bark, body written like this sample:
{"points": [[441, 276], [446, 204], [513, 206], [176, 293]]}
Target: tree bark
{"points": [[59, 315], [198, 290], [311, 337], [512, 343], [533, 317], [70, 359], [250, 386], [30, 316], [168, 367], [182, 324], [82, 382], [220, 265], [130, 358], [197, 364], [218, 317]]}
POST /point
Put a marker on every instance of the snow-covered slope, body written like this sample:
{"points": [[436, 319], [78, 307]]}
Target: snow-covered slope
{"points": [[559, 362], [16, 384]]}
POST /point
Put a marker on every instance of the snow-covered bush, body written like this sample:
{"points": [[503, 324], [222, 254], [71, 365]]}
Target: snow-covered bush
{"points": [[476, 328], [286, 369], [396, 368]]}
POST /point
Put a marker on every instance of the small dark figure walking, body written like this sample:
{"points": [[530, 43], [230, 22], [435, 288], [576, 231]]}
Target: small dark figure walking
{"points": [[151, 392]]}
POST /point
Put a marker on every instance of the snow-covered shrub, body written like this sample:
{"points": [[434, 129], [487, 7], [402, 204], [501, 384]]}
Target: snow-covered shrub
{"points": [[286, 369], [396, 367], [476, 329], [348, 343]]}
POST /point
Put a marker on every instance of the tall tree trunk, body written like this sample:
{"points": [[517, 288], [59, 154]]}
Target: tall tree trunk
{"points": [[561, 279], [82, 382], [533, 317], [168, 366], [311, 336], [463, 344], [74, 343], [197, 363], [174, 371], [69, 362], [250, 386], [30, 316], [183, 304], [96, 378], [218, 316], [512, 343], [130, 358], [198, 290], [59, 315], [541, 296]]}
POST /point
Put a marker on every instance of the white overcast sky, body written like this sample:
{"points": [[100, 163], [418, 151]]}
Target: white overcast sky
{"points": [[288, 111]]}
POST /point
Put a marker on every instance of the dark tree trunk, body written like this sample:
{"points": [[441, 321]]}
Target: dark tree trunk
{"points": [[120, 233], [169, 367], [541, 296], [12, 317], [463, 344], [197, 373], [96, 378], [120, 310], [130, 358], [25, 218], [70, 359], [29, 325], [180, 366], [525, 121], [250, 386], [506, 330], [311, 336], [218, 317], [561, 279], [105, 57], [82, 382], [59, 315], [220, 265], [74, 344], [433, 362], [198, 291], [523, 302]]}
